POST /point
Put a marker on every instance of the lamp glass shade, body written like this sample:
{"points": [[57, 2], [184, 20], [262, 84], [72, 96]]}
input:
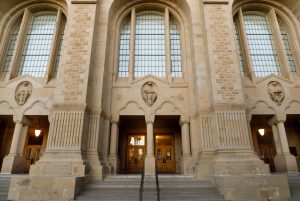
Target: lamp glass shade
{"points": [[261, 131], [37, 132]]}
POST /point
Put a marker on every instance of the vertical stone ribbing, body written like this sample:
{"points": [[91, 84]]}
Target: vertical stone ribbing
{"points": [[92, 140], [206, 133], [67, 131], [232, 130]]}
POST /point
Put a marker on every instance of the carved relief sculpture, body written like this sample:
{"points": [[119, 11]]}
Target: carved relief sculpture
{"points": [[149, 93], [23, 92], [275, 91]]}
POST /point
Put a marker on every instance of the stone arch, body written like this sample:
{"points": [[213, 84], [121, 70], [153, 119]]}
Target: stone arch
{"points": [[131, 108], [293, 107], [262, 107], [6, 108], [167, 108], [37, 108]]}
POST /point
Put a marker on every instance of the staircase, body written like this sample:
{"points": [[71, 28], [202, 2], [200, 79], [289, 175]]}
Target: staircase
{"points": [[294, 184], [172, 188], [4, 186]]}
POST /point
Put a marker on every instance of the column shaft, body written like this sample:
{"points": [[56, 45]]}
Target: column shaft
{"points": [[150, 144], [16, 139], [185, 137], [113, 151], [283, 139]]}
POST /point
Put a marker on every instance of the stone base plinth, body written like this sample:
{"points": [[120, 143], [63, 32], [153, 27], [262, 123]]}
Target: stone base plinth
{"points": [[203, 166], [186, 165], [13, 164], [97, 168], [285, 163], [238, 163], [114, 162], [44, 188], [254, 187], [60, 164], [149, 165]]}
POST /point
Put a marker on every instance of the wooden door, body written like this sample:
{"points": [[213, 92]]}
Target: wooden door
{"points": [[165, 153], [135, 153]]}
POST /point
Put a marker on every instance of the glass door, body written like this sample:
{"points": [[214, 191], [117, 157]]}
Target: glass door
{"points": [[165, 153], [135, 153]]}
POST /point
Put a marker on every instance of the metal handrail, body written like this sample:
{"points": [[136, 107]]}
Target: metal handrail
{"points": [[157, 184], [142, 185]]}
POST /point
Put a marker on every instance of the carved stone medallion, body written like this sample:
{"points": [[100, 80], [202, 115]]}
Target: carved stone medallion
{"points": [[23, 92], [276, 92], [149, 93]]}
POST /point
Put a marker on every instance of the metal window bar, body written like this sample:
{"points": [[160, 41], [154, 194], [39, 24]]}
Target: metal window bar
{"points": [[157, 183], [287, 49], [175, 49], [37, 48], [261, 44], [124, 51], [142, 184], [58, 54], [150, 44], [239, 48], [11, 48]]}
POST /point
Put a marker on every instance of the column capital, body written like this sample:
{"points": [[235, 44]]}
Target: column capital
{"points": [[21, 120], [150, 118], [278, 118], [115, 120], [184, 119]]}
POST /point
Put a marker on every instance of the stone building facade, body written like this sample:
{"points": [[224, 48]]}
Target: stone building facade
{"points": [[115, 86]]}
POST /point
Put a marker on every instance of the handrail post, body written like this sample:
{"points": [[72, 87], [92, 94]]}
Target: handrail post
{"points": [[142, 185]]}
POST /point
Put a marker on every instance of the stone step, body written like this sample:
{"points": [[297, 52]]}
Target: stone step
{"points": [[172, 188]]}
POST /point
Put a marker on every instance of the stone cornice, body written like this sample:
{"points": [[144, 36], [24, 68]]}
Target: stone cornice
{"points": [[84, 1]]}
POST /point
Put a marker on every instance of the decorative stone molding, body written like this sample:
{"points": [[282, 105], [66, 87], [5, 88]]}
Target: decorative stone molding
{"points": [[23, 92], [276, 92], [149, 93]]}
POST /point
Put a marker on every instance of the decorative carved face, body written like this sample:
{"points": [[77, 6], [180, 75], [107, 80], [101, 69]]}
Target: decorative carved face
{"points": [[275, 91], [23, 92], [149, 93]]}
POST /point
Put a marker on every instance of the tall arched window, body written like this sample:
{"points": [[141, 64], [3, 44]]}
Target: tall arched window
{"points": [[34, 44], [260, 55], [150, 44]]}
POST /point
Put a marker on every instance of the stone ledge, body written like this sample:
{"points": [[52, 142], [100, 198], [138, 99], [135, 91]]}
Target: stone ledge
{"points": [[44, 188], [255, 187], [84, 1]]}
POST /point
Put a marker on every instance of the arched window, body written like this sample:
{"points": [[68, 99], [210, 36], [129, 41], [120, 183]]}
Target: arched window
{"points": [[263, 44], [154, 46], [34, 44]]}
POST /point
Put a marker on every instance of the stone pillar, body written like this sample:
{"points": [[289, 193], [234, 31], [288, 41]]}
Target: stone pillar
{"points": [[113, 150], [276, 137], [14, 161], [284, 161], [150, 159], [186, 148]]}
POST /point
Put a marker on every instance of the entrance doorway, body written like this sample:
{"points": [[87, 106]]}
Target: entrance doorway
{"points": [[136, 153], [165, 153], [132, 144]]}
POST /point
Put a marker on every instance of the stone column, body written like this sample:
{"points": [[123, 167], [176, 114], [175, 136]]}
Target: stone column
{"points": [[14, 161], [284, 161], [186, 148], [276, 137], [150, 159], [113, 150]]}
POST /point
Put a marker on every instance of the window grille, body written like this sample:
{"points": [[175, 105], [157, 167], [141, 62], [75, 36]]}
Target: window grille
{"points": [[124, 52], [150, 44], [261, 44], [38, 44], [175, 50], [239, 48], [11, 49], [287, 49], [57, 59]]}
